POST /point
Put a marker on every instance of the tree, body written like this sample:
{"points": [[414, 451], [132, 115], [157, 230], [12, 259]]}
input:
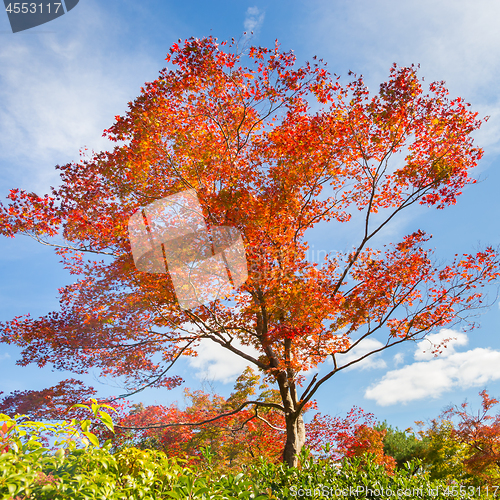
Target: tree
{"points": [[351, 436], [402, 445], [480, 435], [468, 449], [444, 456], [233, 441], [370, 440], [332, 437], [51, 403], [246, 141]]}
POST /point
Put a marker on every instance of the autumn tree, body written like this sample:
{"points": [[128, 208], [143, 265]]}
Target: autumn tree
{"points": [[354, 435], [403, 446], [444, 456], [51, 403], [235, 440], [371, 440], [271, 150], [479, 434], [333, 437], [463, 445]]}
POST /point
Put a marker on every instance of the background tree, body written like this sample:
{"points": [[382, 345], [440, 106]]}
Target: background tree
{"points": [[246, 139], [352, 436], [370, 440], [480, 434], [52, 403], [238, 439], [463, 446], [445, 456], [403, 446]]}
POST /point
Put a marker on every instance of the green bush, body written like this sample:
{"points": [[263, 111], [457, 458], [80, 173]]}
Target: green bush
{"points": [[356, 479], [95, 473], [29, 469]]}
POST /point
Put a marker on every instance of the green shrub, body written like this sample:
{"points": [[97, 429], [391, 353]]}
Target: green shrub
{"points": [[95, 473], [29, 469], [356, 479]]}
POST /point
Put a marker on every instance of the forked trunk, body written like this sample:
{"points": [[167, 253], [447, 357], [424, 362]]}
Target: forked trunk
{"points": [[295, 439], [295, 428]]}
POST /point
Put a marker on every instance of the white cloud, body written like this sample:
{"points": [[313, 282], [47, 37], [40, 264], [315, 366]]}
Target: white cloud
{"points": [[443, 342], [5, 355], [430, 377], [59, 92], [399, 358], [254, 19], [214, 362], [365, 346]]}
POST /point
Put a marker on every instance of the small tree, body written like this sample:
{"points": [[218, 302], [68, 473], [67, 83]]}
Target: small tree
{"points": [[261, 161], [480, 435], [445, 456], [403, 446], [238, 439]]}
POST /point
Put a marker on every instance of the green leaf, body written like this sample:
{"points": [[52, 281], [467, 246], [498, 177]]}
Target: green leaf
{"points": [[85, 424], [92, 438], [106, 420], [79, 406]]}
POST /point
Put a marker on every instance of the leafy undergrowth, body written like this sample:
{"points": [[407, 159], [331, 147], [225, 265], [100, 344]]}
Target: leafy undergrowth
{"points": [[96, 473], [360, 478], [31, 469]]}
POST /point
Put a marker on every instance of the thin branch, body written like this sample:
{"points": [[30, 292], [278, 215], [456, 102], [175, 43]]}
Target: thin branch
{"points": [[157, 378], [308, 388], [197, 424], [268, 423]]}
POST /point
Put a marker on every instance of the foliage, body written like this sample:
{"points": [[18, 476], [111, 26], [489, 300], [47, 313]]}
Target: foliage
{"points": [[336, 433], [48, 404], [30, 470], [235, 440], [357, 478], [481, 433], [97, 473], [351, 436], [370, 441], [403, 446], [445, 456], [247, 141], [69, 399], [469, 449], [17, 434]]}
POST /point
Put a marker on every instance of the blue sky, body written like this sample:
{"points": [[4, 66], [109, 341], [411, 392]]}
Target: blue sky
{"points": [[62, 83]]}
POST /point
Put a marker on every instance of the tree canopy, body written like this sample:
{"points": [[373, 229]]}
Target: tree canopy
{"points": [[271, 150]]}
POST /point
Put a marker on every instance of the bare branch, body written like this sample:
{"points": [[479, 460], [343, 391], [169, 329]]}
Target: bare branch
{"points": [[196, 424]]}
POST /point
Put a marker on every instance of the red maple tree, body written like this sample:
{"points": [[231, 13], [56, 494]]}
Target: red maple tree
{"points": [[52, 403], [481, 433], [261, 161], [351, 436], [237, 439]]}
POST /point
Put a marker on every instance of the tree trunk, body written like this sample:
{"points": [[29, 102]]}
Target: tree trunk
{"points": [[295, 439], [295, 428]]}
